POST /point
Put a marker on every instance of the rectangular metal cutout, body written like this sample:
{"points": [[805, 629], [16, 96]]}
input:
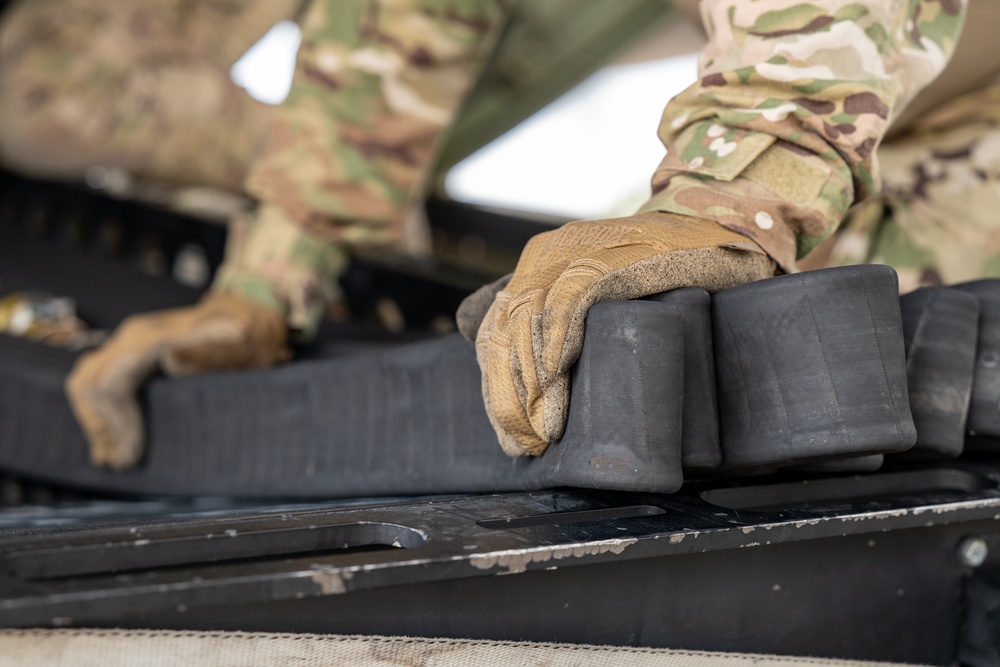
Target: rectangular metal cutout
{"points": [[230, 545]]}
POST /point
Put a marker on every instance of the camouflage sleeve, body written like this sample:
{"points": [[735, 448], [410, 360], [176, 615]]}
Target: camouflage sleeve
{"points": [[934, 220], [376, 84], [777, 138], [275, 262]]}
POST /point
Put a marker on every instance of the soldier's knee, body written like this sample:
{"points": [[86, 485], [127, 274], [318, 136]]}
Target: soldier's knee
{"points": [[44, 131], [46, 107]]}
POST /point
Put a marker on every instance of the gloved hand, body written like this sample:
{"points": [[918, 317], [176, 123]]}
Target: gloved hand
{"points": [[533, 332], [222, 332]]}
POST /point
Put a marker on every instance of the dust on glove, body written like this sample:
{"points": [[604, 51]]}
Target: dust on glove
{"points": [[533, 332], [223, 332]]}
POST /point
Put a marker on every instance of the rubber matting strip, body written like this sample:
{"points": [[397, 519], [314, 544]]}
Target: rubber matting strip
{"points": [[410, 420]]}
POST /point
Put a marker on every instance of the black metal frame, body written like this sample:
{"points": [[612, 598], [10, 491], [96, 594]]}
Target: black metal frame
{"points": [[853, 567]]}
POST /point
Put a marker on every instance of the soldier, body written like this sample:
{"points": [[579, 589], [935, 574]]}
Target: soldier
{"points": [[766, 154]]}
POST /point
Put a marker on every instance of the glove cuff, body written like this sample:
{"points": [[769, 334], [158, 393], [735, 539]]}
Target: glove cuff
{"points": [[278, 264], [785, 200]]}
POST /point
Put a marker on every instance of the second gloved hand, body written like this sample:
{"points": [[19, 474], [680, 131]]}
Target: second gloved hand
{"points": [[533, 332], [222, 332]]}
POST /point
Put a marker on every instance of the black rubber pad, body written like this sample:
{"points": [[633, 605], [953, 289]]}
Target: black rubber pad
{"points": [[625, 416], [811, 366], [406, 421], [984, 408], [700, 448], [940, 330], [868, 463]]}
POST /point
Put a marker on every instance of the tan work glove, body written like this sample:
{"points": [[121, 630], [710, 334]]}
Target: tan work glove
{"points": [[222, 332], [533, 332]]}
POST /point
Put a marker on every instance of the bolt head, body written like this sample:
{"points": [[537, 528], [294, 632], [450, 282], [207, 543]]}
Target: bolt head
{"points": [[973, 551]]}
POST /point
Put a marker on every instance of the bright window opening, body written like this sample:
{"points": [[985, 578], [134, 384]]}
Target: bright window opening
{"points": [[266, 69], [590, 154]]}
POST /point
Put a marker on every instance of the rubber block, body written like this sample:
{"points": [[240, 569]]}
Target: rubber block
{"points": [[940, 331], [984, 407], [867, 463], [700, 446], [811, 366]]}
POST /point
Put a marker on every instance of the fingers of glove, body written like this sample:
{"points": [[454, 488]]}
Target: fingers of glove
{"points": [[101, 391], [547, 341], [547, 392], [564, 313], [503, 388], [506, 410], [530, 378], [474, 307], [529, 397]]}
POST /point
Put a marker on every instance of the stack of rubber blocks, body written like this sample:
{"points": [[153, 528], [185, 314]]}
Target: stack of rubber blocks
{"points": [[826, 370]]}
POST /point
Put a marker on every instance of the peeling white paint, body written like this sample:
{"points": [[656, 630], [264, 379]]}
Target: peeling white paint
{"points": [[331, 580], [517, 560]]}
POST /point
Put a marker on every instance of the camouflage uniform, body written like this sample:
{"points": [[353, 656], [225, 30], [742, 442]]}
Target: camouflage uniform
{"points": [[777, 140], [779, 136], [376, 84], [935, 219], [141, 85]]}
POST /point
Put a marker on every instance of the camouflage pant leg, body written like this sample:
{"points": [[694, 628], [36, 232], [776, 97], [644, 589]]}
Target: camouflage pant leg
{"points": [[935, 220], [377, 83], [142, 85]]}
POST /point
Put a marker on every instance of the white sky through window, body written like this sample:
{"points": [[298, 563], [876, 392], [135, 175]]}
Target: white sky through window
{"points": [[590, 154], [266, 69]]}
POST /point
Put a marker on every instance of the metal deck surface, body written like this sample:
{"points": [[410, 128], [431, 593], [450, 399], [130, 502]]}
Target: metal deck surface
{"points": [[882, 557]]}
